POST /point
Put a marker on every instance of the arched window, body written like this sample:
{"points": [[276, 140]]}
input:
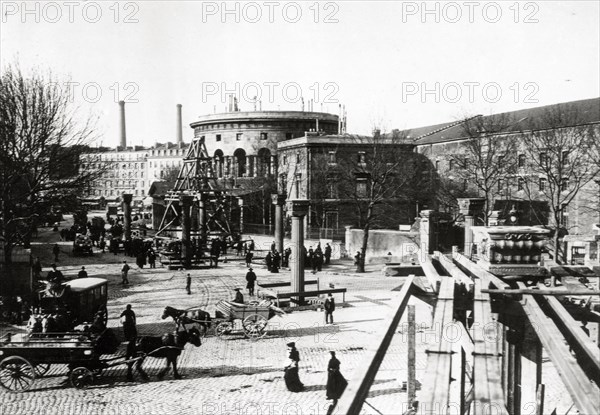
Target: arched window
{"points": [[240, 159], [219, 159], [264, 162]]}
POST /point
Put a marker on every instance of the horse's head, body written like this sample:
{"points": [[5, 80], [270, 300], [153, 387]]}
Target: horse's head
{"points": [[192, 336], [168, 312]]}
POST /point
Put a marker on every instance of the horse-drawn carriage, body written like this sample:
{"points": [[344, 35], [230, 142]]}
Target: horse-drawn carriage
{"points": [[250, 319], [25, 357], [67, 305]]}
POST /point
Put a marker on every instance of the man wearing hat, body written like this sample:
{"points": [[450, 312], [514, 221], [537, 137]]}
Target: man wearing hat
{"points": [[251, 278], [239, 298]]}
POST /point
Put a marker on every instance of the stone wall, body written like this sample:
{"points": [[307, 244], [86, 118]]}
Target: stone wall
{"points": [[381, 242], [263, 242]]}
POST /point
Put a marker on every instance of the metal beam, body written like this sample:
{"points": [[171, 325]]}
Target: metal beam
{"points": [[358, 387], [582, 391]]}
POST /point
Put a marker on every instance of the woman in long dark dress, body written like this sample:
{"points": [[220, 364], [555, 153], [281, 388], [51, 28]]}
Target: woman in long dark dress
{"points": [[336, 383], [292, 380]]}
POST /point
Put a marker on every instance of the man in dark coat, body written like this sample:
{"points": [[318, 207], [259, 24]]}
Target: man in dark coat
{"points": [[129, 323], [286, 257], [249, 256], [269, 260], [327, 254], [329, 307], [82, 273], [188, 284], [276, 262], [251, 278]]}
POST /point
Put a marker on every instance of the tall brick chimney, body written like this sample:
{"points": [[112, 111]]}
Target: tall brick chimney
{"points": [[123, 141], [179, 133]]}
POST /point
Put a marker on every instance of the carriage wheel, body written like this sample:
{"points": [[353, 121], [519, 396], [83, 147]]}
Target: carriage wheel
{"points": [[41, 369], [255, 326], [223, 328], [81, 377], [16, 374]]}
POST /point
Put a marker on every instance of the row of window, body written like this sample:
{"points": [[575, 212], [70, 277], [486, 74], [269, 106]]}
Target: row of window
{"points": [[542, 184], [521, 160]]}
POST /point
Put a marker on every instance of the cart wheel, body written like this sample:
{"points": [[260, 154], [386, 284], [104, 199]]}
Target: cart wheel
{"points": [[223, 328], [255, 326], [81, 377], [41, 369], [16, 374], [103, 310]]}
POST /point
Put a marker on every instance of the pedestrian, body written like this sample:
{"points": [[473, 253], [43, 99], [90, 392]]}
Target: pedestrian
{"points": [[329, 307], [239, 297], [357, 258], [140, 259], [37, 268], [269, 261], [56, 251], [124, 273], [128, 321], [152, 258], [336, 383], [273, 246], [291, 376], [55, 275], [102, 243], [276, 262], [188, 284], [286, 257], [251, 278], [82, 273], [251, 247], [240, 246], [327, 254], [249, 256]]}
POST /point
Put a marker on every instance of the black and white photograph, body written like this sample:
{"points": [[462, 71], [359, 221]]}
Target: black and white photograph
{"points": [[299, 207]]}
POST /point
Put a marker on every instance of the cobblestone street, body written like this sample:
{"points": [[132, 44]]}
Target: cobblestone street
{"points": [[231, 375]]}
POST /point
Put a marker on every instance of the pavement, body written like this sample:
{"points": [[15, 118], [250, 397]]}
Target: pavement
{"points": [[232, 375]]}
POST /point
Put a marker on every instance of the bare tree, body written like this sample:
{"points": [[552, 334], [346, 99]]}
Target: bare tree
{"points": [[41, 143], [487, 158], [561, 150], [384, 176]]}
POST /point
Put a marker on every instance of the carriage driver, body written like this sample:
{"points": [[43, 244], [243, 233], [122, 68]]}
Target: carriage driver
{"points": [[239, 298]]}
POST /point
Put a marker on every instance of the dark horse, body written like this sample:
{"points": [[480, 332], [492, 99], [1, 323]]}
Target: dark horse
{"points": [[169, 347], [191, 316]]}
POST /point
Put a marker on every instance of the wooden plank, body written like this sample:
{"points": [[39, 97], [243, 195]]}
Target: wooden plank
{"points": [[487, 368], [411, 381], [436, 383], [313, 293], [283, 284], [359, 385], [454, 271], [582, 391], [478, 271], [541, 291], [430, 272], [574, 328]]}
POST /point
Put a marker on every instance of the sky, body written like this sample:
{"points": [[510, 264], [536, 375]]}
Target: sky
{"points": [[392, 64]]}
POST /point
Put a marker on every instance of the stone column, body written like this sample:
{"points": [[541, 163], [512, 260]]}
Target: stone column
{"points": [[126, 206], [469, 222], [425, 231], [185, 201], [278, 201], [202, 217], [298, 210], [241, 204], [248, 172]]}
